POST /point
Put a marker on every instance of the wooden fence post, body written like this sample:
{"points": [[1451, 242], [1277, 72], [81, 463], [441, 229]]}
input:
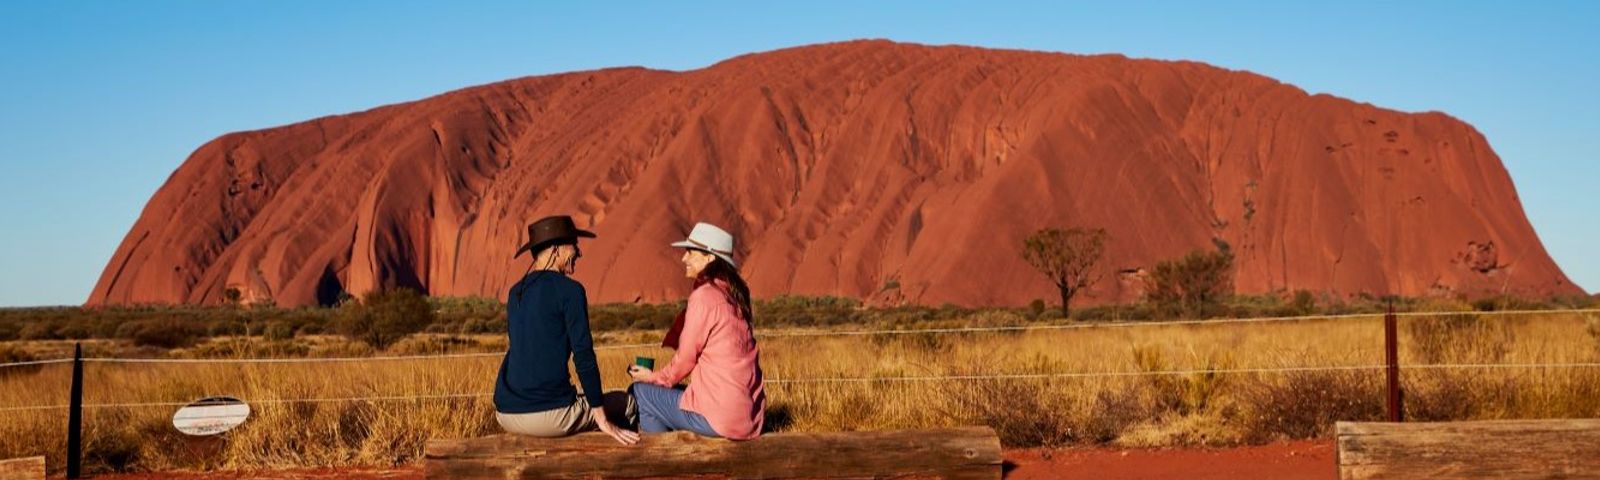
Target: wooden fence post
{"points": [[1391, 350]]}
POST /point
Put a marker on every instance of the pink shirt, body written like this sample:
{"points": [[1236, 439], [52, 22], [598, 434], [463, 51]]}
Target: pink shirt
{"points": [[718, 348]]}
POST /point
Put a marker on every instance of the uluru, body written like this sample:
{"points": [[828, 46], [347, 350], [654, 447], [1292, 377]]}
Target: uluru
{"points": [[867, 169]]}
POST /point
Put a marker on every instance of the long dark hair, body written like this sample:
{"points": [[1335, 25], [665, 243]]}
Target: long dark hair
{"points": [[737, 291]]}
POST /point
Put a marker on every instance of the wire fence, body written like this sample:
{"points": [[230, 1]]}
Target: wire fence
{"points": [[842, 380], [269, 401], [828, 333], [895, 379], [1167, 323], [36, 362]]}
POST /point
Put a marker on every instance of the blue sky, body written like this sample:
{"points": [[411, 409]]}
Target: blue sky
{"points": [[101, 101]]}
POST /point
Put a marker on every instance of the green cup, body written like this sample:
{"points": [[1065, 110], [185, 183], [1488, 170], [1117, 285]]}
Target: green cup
{"points": [[645, 362]]}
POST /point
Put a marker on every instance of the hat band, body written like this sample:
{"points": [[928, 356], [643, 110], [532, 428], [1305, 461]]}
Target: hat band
{"points": [[707, 248]]}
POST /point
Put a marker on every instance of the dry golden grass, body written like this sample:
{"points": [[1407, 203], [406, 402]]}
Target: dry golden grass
{"points": [[1198, 408]]}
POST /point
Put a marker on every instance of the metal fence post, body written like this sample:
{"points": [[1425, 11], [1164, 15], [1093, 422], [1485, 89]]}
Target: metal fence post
{"points": [[1391, 349], [75, 416]]}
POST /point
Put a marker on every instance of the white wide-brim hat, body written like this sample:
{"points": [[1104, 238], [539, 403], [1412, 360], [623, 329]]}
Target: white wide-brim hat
{"points": [[711, 239]]}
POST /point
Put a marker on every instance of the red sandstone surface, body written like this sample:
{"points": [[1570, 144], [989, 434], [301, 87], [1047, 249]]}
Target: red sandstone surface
{"points": [[868, 169]]}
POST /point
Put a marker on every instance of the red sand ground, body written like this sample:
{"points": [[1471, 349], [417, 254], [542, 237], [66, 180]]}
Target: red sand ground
{"points": [[1303, 460], [870, 169]]}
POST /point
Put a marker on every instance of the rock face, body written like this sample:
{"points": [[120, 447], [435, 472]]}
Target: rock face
{"points": [[869, 169]]}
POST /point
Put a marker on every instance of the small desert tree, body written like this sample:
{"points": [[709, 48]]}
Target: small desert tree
{"points": [[232, 295], [1192, 285], [1068, 257], [384, 317]]}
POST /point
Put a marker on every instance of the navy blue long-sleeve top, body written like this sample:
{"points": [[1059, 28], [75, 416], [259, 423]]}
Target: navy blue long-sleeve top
{"points": [[548, 318]]}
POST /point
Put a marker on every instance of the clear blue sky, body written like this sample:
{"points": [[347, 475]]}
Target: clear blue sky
{"points": [[101, 101]]}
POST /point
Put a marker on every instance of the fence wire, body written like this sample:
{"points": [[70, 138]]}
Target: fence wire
{"points": [[828, 333], [826, 380], [898, 379]]}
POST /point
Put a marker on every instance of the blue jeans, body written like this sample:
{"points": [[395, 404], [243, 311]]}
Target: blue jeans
{"points": [[659, 412]]}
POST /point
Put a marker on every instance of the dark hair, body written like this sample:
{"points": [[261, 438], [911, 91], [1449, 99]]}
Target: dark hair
{"points": [[737, 292]]}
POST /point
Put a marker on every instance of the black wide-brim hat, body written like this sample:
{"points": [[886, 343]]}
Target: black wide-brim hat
{"points": [[550, 230]]}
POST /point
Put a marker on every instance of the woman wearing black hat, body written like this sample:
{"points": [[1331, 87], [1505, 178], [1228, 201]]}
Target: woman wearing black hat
{"points": [[548, 321]]}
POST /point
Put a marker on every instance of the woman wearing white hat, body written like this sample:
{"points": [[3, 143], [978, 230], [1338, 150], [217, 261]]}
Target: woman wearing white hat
{"points": [[716, 346]]}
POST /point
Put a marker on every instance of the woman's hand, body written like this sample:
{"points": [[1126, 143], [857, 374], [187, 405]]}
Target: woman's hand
{"points": [[625, 437], [639, 374]]}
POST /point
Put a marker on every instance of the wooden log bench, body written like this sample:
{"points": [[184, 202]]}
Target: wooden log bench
{"points": [[1497, 449], [31, 468], [949, 453]]}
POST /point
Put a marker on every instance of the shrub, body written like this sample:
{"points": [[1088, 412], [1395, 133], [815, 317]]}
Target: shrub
{"points": [[384, 317], [433, 345], [1306, 404], [113, 444], [458, 314], [798, 311], [278, 331], [10, 354], [653, 317], [1591, 323], [1442, 305], [608, 319], [1114, 411], [1023, 412], [163, 333], [1304, 302], [1183, 394], [1116, 312], [994, 319], [38, 331], [618, 316], [1247, 306], [918, 342], [1507, 302], [309, 328], [232, 295], [1459, 337], [1036, 308], [1194, 285], [1575, 301], [1443, 395], [223, 328], [496, 324], [78, 329]]}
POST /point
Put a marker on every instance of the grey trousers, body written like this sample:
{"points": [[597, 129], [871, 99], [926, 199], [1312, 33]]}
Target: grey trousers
{"points": [[578, 417]]}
